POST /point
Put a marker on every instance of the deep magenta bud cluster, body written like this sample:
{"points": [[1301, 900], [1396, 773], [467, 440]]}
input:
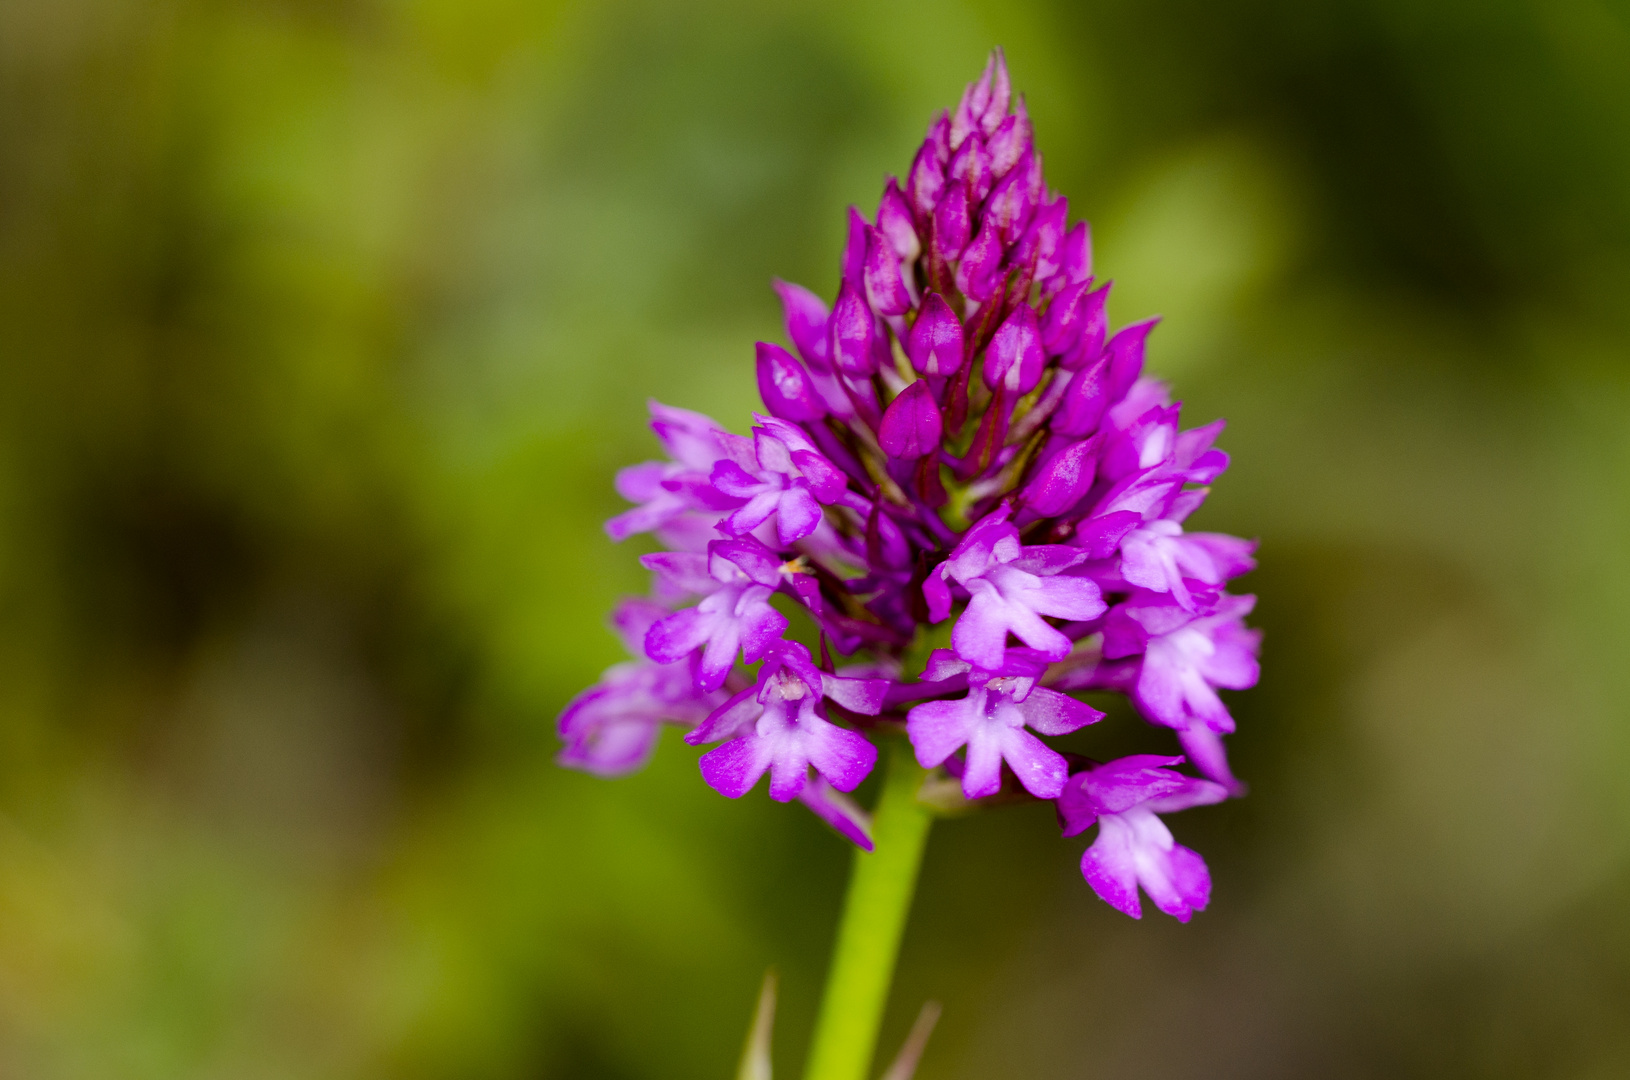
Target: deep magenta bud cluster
{"points": [[960, 438]]}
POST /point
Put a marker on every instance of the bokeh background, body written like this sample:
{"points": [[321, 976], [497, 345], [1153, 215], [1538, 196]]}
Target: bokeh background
{"points": [[324, 326]]}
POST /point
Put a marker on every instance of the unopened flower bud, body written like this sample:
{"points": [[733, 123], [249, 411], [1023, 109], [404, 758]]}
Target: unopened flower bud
{"points": [[854, 252], [935, 347], [852, 329], [885, 289], [1075, 260], [1064, 479], [976, 275], [786, 387], [1074, 311], [1045, 237], [1093, 326], [1001, 94], [911, 425], [953, 223], [1009, 143], [925, 183], [806, 323], [1009, 206], [971, 165], [1125, 353], [1084, 401], [1015, 358], [894, 218]]}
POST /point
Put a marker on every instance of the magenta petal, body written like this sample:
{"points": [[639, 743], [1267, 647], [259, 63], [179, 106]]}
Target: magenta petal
{"points": [[1010, 207], [944, 664], [1094, 326], [864, 696], [844, 757], [980, 635], [938, 596], [762, 626], [1100, 536], [797, 514], [733, 769], [938, 729], [1049, 559], [789, 776], [1205, 748], [673, 638], [1085, 401], [1053, 713], [755, 513], [1040, 768], [1175, 878], [731, 479], [1062, 326], [826, 480], [982, 769], [1067, 598], [728, 720], [615, 750], [839, 811], [1110, 867], [718, 656], [685, 572], [1043, 241], [1187, 885], [757, 562]]}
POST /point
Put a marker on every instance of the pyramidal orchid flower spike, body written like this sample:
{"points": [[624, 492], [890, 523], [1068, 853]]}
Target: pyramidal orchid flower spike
{"points": [[961, 437]]}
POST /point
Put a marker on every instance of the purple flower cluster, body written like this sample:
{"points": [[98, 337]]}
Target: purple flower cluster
{"points": [[958, 437]]}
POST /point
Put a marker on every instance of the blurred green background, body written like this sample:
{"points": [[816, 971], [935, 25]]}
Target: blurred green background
{"points": [[323, 327]]}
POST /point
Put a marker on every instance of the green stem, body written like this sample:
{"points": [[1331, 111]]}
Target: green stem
{"points": [[874, 917]]}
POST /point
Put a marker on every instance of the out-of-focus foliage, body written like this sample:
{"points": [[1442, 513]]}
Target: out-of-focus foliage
{"points": [[324, 326]]}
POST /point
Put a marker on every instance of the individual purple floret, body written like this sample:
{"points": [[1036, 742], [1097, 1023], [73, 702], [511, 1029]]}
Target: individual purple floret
{"points": [[1186, 658], [991, 721], [779, 726], [611, 728], [665, 490], [735, 579], [1134, 847], [954, 433], [787, 480], [1010, 587]]}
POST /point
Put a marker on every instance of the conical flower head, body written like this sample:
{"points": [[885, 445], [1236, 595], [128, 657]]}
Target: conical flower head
{"points": [[954, 432]]}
